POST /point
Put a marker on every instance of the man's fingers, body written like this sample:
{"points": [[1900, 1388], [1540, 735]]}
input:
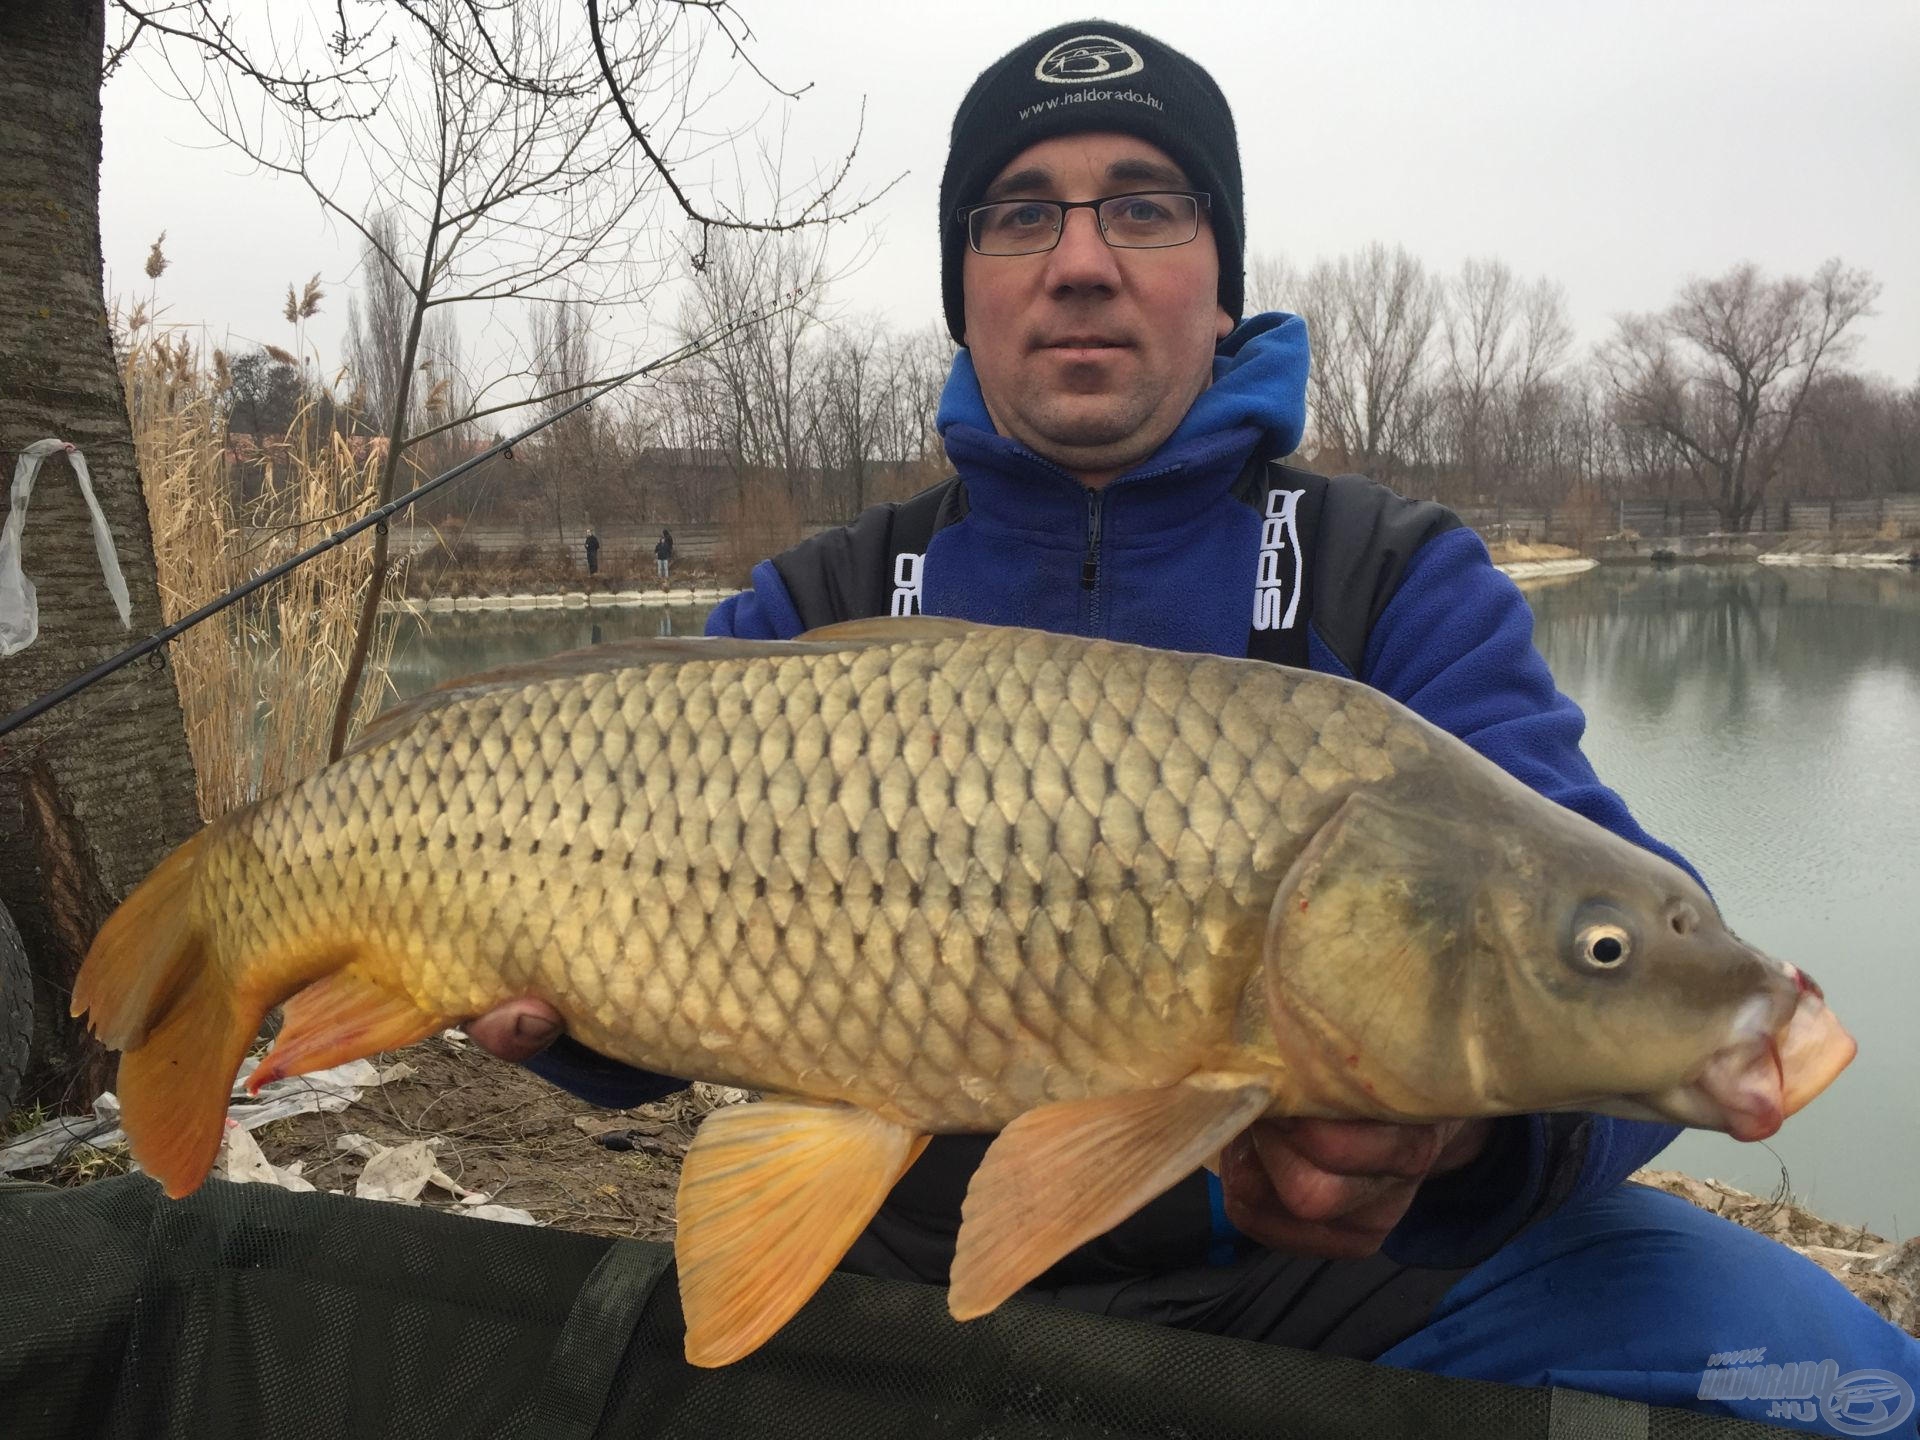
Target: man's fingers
{"points": [[1367, 1148], [1268, 1218], [517, 1030], [1310, 1190]]}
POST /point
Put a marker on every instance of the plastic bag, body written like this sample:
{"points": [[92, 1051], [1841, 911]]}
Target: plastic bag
{"points": [[19, 609]]}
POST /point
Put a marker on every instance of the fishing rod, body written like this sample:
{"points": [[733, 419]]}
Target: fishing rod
{"points": [[35, 709]]}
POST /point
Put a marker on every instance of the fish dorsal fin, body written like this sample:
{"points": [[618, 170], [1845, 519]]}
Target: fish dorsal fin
{"points": [[1066, 1173], [894, 630], [771, 1196], [592, 659]]}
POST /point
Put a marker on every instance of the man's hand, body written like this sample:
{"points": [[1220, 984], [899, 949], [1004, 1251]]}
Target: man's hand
{"points": [[517, 1030], [1336, 1188]]}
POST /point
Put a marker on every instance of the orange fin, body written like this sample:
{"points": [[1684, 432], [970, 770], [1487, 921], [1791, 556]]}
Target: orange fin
{"points": [[153, 987], [146, 955], [771, 1196], [339, 1018], [1061, 1175]]}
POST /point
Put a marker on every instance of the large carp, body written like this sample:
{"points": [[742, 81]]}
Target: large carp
{"points": [[919, 876]]}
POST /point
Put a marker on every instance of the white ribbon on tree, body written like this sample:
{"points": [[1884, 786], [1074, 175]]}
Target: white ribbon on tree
{"points": [[19, 609]]}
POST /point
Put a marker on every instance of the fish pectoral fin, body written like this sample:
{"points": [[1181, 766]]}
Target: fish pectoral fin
{"points": [[342, 1017], [1061, 1175], [772, 1194]]}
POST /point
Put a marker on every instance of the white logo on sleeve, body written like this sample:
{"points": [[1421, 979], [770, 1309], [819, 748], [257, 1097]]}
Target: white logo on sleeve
{"points": [[1086, 58], [1276, 594], [907, 569]]}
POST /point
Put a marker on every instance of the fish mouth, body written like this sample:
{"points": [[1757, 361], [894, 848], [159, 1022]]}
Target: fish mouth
{"points": [[1749, 1088]]}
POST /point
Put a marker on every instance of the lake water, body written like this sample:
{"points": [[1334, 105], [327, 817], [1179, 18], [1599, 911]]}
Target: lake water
{"points": [[1765, 722]]}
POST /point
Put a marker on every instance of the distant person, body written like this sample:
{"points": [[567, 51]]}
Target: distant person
{"points": [[663, 553], [593, 553]]}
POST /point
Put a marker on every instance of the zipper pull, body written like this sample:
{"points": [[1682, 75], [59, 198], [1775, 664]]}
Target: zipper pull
{"points": [[1090, 563]]}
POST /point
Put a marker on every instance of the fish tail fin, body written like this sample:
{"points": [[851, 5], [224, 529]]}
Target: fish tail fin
{"points": [[157, 986], [152, 986]]}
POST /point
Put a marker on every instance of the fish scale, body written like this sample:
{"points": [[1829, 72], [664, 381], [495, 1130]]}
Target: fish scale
{"points": [[987, 813]]}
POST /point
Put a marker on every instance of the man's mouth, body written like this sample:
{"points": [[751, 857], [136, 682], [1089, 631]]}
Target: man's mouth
{"points": [[1083, 346]]}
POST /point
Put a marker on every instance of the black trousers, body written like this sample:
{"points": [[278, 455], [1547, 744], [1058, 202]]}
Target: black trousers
{"points": [[1154, 1267]]}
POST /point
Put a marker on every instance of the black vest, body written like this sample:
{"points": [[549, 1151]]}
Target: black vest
{"points": [[1332, 554]]}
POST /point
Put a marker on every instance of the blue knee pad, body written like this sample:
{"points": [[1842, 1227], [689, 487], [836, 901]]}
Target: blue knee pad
{"points": [[1639, 1294]]}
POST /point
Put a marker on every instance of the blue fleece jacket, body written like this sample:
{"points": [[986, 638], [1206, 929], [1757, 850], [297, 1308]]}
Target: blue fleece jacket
{"points": [[1171, 551]]}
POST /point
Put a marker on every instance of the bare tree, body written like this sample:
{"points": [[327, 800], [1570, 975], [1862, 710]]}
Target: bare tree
{"points": [[1372, 316], [1722, 376], [760, 372]]}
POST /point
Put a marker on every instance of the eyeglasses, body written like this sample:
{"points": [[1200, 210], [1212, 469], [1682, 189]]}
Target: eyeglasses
{"points": [[1148, 220]]}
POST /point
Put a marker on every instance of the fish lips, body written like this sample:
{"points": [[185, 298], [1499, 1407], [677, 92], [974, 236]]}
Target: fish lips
{"points": [[1750, 1087]]}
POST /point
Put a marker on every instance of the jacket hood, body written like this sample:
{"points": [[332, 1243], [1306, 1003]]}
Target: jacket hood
{"points": [[1259, 382]]}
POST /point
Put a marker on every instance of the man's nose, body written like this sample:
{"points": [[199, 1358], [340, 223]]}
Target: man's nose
{"points": [[1083, 259]]}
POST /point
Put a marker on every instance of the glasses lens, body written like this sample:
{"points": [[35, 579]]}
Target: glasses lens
{"points": [[1146, 221], [1015, 227]]}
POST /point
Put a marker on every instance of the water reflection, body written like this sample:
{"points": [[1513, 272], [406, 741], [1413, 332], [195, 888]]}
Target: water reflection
{"points": [[1767, 723], [429, 649]]}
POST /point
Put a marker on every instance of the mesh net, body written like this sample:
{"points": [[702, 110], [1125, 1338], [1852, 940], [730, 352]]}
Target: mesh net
{"points": [[246, 1311]]}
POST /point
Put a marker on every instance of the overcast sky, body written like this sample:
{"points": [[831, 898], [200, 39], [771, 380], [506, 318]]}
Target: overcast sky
{"points": [[1617, 147]]}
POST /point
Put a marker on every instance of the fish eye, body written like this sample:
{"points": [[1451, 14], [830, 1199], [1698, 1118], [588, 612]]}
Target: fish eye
{"points": [[1604, 946]]}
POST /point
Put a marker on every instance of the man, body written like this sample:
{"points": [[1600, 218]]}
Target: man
{"points": [[1112, 424], [663, 553], [593, 553]]}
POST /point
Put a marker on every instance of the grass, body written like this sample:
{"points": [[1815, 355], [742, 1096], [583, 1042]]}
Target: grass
{"points": [[258, 681]]}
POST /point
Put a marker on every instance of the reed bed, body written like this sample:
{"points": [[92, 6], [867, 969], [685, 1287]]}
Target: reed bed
{"points": [[258, 681]]}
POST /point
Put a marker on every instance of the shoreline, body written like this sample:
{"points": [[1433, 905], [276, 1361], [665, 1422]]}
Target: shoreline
{"points": [[1516, 569]]}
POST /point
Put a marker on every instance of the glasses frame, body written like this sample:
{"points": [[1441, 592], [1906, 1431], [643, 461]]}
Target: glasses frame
{"points": [[1203, 205]]}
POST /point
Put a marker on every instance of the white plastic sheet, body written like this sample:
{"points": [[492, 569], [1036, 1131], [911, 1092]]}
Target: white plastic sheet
{"points": [[19, 606], [324, 1090]]}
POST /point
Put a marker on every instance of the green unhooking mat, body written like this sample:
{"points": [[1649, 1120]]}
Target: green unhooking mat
{"points": [[247, 1313]]}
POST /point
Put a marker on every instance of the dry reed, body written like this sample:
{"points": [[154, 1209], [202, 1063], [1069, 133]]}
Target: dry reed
{"points": [[257, 682]]}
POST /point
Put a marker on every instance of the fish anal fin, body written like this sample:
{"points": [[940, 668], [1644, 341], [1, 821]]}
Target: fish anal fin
{"points": [[771, 1196], [1066, 1173], [343, 1016]]}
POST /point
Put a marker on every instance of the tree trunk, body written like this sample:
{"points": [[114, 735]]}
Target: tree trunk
{"points": [[96, 791]]}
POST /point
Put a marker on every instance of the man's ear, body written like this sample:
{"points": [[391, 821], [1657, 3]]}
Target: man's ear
{"points": [[1223, 325]]}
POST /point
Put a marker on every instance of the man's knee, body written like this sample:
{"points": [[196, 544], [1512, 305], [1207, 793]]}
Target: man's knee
{"points": [[1641, 1294]]}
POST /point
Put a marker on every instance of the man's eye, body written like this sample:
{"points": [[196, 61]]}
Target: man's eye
{"points": [[1023, 217], [1142, 211]]}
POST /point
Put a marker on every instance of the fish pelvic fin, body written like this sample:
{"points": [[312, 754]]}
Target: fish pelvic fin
{"points": [[1065, 1173], [340, 1017], [153, 987], [772, 1194]]}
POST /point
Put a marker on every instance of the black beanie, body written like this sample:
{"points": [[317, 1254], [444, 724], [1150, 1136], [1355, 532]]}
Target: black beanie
{"points": [[1092, 76]]}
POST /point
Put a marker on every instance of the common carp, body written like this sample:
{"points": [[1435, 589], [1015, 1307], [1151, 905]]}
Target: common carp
{"points": [[919, 876]]}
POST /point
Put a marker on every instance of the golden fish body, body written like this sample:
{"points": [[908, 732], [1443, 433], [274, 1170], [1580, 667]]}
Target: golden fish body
{"points": [[944, 881], [922, 876]]}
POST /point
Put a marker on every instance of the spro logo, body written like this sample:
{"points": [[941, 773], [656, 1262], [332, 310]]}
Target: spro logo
{"points": [[1086, 58], [1276, 595], [906, 584]]}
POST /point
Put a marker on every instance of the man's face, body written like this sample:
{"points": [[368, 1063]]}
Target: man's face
{"points": [[1086, 354]]}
